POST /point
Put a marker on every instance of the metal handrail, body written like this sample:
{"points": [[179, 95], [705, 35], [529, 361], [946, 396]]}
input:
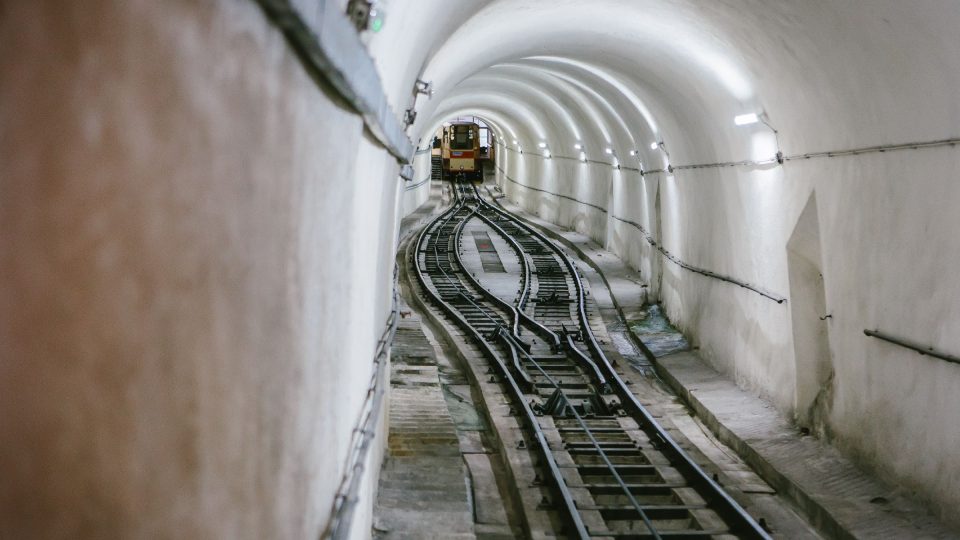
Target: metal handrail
{"points": [[920, 349], [418, 184], [347, 496], [663, 251]]}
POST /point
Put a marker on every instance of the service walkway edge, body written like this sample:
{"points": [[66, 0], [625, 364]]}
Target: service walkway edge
{"points": [[838, 497]]}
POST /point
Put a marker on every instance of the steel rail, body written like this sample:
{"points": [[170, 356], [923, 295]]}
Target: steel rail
{"points": [[515, 347], [457, 236], [602, 382], [544, 332], [732, 510], [589, 338], [558, 388], [456, 241], [517, 314], [584, 359], [586, 429], [499, 324], [529, 418]]}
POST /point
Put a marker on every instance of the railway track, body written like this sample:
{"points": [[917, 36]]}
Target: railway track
{"points": [[612, 470]]}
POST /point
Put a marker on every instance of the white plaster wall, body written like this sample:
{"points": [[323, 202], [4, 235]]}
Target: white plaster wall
{"points": [[413, 196], [196, 245], [830, 76], [569, 177]]}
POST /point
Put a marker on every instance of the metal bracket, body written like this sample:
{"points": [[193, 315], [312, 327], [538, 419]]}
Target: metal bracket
{"points": [[409, 117], [423, 87]]}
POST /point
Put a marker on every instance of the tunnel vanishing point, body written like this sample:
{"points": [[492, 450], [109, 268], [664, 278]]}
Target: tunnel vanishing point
{"points": [[479, 269]]}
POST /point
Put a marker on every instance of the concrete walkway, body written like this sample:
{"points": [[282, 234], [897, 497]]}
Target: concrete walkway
{"points": [[423, 490], [423, 485], [839, 498]]}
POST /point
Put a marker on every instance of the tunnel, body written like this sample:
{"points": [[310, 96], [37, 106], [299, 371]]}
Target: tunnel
{"points": [[217, 221]]}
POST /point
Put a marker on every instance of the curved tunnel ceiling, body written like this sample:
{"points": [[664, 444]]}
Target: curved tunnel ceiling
{"points": [[628, 73], [597, 60]]}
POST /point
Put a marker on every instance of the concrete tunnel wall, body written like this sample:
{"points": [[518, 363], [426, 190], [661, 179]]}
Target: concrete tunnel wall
{"points": [[829, 77], [197, 242], [196, 245]]}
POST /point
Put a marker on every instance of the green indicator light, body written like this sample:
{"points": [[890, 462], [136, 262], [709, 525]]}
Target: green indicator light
{"points": [[376, 20]]}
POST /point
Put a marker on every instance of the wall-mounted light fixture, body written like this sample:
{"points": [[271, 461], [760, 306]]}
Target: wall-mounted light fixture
{"points": [[578, 146], [542, 145], [660, 145], [753, 118], [609, 151]]}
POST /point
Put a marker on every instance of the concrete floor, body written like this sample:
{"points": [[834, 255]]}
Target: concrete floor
{"points": [[424, 482]]}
